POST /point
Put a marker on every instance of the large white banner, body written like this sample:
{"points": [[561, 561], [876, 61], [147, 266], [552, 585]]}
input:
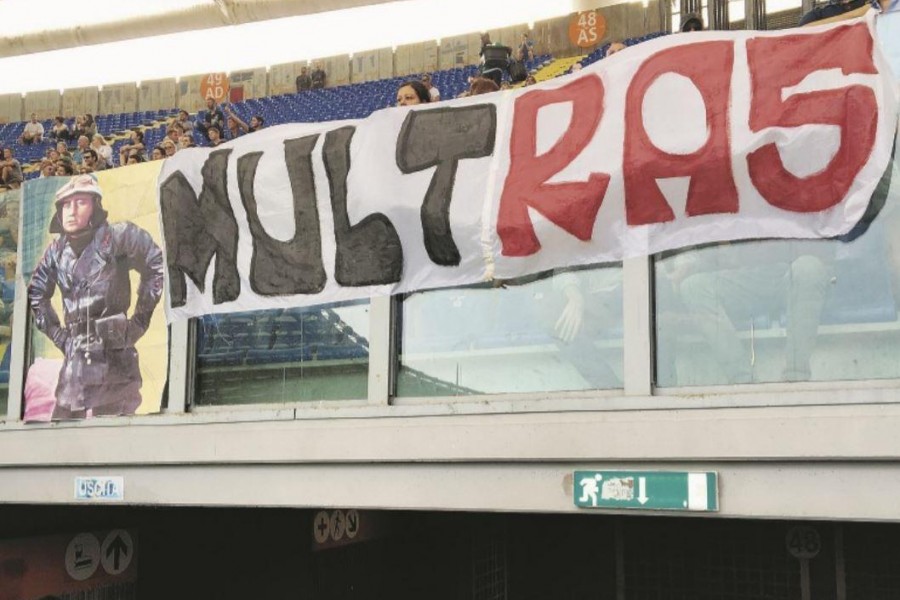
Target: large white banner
{"points": [[682, 140]]}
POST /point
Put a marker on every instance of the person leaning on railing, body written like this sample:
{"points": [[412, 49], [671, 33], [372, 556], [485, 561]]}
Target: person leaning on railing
{"points": [[837, 10]]}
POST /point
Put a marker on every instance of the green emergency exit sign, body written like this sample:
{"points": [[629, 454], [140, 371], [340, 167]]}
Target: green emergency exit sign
{"points": [[647, 490]]}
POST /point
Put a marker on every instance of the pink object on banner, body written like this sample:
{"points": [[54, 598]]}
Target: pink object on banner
{"points": [[40, 389]]}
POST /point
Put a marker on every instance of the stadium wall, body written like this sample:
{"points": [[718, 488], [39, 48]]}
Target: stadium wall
{"points": [[46, 104], [118, 98], [12, 108], [550, 36]]}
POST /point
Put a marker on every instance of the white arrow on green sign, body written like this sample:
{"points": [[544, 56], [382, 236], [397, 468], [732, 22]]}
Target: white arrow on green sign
{"points": [[648, 490]]}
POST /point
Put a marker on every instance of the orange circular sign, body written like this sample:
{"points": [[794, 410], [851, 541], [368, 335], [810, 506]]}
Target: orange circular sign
{"points": [[215, 86], [586, 29]]}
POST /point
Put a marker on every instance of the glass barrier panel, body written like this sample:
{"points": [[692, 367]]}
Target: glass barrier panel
{"points": [[283, 355], [786, 310], [545, 333], [783, 310]]}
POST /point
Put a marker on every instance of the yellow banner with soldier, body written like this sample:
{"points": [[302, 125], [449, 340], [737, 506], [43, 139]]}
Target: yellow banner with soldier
{"points": [[91, 251]]}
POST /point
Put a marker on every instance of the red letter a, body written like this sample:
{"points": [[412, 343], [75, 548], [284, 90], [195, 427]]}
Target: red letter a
{"points": [[708, 65]]}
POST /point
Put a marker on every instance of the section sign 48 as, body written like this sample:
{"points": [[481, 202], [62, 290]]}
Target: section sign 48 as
{"points": [[648, 490]]}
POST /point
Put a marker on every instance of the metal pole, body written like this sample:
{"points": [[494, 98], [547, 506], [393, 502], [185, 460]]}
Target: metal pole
{"points": [[761, 14], [691, 7], [756, 14], [665, 15], [718, 15]]}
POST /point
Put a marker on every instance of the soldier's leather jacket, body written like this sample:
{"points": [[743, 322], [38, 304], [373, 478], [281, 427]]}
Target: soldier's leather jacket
{"points": [[96, 288]]}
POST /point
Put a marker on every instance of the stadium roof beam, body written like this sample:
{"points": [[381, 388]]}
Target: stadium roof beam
{"points": [[205, 14]]}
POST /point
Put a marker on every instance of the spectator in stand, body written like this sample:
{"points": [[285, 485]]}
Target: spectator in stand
{"points": [[237, 126], [83, 144], [692, 22], [232, 129], [186, 141], [136, 146], [174, 132], [157, 153], [613, 48], [78, 127], [59, 131], [304, 81], [215, 136], [432, 89], [135, 159], [84, 125], [257, 122], [465, 92], [90, 126], [184, 120], [34, 131], [530, 80], [92, 162], [48, 169], [52, 155], [525, 51], [411, 93], [318, 77], [835, 8], [213, 117], [63, 150], [169, 147], [495, 59], [483, 85], [103, 150], [10, 170], [65, 168]]}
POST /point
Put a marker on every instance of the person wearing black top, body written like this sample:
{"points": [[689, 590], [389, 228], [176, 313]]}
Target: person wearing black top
{"points": [[214, 117], [495, 59], [318, 77], [304, 81]]}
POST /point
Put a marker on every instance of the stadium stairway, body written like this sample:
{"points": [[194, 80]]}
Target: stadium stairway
{"points": [[557, 67]]}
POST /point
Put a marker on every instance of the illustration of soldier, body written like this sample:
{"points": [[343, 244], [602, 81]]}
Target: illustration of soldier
{"points": [[90, 262]]}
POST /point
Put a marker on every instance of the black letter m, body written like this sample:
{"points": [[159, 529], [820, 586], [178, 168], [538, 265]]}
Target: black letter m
{"points": [[195, 229]]}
